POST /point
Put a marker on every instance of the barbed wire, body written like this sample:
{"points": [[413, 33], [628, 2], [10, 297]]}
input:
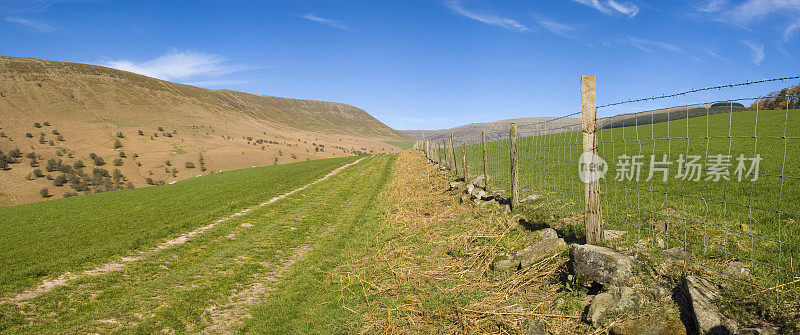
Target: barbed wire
{"points": [[699, 90]]}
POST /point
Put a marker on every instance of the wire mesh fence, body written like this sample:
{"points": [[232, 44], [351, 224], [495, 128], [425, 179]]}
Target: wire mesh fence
{"points": [[705, 185]]}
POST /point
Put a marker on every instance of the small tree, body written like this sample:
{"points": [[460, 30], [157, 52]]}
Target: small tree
{"points": [[78, 164], [141, 133], [44, 193], [149, 181], [117, 144], [28, 135], [117, 162], [160, 128], [60, 180], [34, 162], [37, 125], [60, 138], [38, 173], [99, 161], [168, 163], [189, 165], [55, 132], [120, 134], [122, 154], [47, 124]]}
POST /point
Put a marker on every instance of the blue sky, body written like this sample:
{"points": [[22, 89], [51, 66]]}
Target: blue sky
{"points": [[426, 64]]}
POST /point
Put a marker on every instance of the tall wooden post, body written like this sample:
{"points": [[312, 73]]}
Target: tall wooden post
{"points": [[514, 168], [453, 156], [485, 172], [464, 161], [436, 152], [592, 209]]}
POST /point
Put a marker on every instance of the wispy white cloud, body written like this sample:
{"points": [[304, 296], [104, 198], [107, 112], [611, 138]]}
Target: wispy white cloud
{"points": [[648, 45], [40, 26], [178, 65], [625, 8], [611, 7], [789, 31], [218, 83], [553, 26], [756, 51], [779, 12], [328, 22], [490, 19]]}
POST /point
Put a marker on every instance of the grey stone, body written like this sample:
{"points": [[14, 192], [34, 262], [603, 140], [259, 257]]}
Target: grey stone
{"points": [[470, 187], [736, 269], [679, 253], [477, 181], [539, 251], [536, 328], [456, 185], [660, 290], [707, 319], [667, 325], [530, 255], [531, 197], [758, 331], [615, 299], [505, 263], [547, 233], [591, 263]]}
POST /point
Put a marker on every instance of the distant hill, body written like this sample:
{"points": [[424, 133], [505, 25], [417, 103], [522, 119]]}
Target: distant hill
{"points": [[80, 109], [532, 126]]}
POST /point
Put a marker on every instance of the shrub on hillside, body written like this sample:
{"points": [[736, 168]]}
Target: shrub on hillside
{"points": [[120, 134], [141, 133], [78, 164], [47, 124], [38, 173], [37, 125], [34, 162], [160, 128], [60, 138], [189, 165], [117, 162], [28, 135], [70, 194], [99, 161], [117, 144], [122, 154], [168, 163], [60, 180], [149, 181], [44, 193], [55, 132]]}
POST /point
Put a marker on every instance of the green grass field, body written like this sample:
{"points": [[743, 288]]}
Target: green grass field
{"points": [[405, 145], [753, 222], [267, 263], [46, 239]]}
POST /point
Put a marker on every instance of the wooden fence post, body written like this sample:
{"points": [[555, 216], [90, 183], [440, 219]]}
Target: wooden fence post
{"points": [[593, 216], [464, 161], [453, 156], [514, 168], [485, 173], [436, 152]]}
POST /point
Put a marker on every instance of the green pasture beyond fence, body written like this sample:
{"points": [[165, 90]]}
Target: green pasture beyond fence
{"points": [[752, 219]]}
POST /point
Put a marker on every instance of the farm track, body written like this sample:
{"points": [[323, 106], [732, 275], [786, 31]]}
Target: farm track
{"points": [[62, 280], [206, 280]]}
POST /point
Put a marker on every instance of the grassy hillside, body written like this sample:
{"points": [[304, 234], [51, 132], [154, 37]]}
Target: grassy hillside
{"points": [[263, 268], [158, 129], [754, 222], [46, 239]]}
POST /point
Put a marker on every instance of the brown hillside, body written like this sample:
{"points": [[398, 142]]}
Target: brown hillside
{"points": [[86, 106]]}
